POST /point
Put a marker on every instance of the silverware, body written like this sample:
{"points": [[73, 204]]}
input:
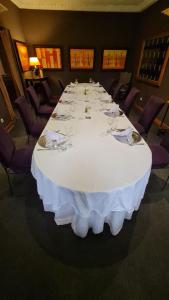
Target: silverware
{"points": [[58, 131], [136, 144], [41, 149]]}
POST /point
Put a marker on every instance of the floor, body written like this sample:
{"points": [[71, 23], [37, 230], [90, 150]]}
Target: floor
{"points": [[39, 260]]}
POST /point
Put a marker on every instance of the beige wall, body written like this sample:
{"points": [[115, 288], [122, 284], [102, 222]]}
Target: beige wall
{"points": [[11, 20]]}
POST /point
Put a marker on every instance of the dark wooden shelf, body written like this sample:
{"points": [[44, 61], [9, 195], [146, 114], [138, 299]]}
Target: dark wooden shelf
{"points": [[153, 59]]}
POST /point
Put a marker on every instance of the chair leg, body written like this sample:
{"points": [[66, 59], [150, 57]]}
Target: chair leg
{"points": [[163, 187], [9, 182]]}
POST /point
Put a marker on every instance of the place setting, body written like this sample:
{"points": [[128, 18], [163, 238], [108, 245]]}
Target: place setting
{"points": [[54, 140], [127, 136], [66, 102], [114, 111], [61, 117]]}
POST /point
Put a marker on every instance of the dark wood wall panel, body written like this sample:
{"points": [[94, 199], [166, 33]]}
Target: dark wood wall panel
{"points": [[70, 29], [153, 22]]}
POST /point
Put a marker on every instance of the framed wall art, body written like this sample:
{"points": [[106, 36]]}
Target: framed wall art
{"points": [[49, 57], [114, 59], [81, 59], [22, 51]]}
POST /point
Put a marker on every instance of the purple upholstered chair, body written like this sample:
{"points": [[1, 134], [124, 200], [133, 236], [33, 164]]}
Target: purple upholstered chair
{"points": [[33, 126], [115, 91], [160, 154], [41, 110], [129, 101], [112, 86], [61, 85], [52, 99], [151, 110], [12, 160]]}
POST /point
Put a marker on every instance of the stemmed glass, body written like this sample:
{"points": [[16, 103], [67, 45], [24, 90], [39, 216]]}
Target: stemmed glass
{"points": [[112, 122]]}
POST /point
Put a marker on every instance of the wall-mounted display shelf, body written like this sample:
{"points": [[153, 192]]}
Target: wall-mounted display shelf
{"points": [[153, 59]]}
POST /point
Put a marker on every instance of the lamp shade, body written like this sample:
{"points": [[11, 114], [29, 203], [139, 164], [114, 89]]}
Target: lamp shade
{"points": [[34, 61], [165, 12]]}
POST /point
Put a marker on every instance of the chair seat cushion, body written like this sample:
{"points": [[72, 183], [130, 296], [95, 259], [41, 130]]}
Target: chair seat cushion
{"points": [[139, 127], [45, 110], [21, 160], [160, 157]]}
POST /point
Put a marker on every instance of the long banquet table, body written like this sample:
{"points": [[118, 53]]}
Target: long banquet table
{"points": [[99, 179]]}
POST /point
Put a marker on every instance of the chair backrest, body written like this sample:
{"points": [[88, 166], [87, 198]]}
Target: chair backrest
{"points": [[129, 101], [34, 98], [114, 83], [25, 113], [116, 90], [61, 85], [47, 89], [165, 141], [125, 77], [151, 110], [7, 147]]}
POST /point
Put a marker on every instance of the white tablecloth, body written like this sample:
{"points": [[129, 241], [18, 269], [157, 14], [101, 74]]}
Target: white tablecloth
{"points": [[98, 179]]}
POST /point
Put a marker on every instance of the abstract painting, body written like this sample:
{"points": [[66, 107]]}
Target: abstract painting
{"points": [[114, 59], [23, 55], [81, 59], [50, 58]]}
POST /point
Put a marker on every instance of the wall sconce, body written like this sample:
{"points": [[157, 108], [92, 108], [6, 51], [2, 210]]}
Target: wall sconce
{"points": [[34, 64]]}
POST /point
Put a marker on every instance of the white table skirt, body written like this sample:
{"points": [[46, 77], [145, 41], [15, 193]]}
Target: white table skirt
{"points": [[89, 186]]}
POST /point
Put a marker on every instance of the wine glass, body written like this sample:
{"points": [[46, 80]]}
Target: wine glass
{"points": [[70, 131], [110, 121]]}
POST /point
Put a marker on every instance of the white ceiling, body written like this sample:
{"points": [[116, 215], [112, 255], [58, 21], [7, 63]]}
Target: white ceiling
{"points": [[87, 5]]}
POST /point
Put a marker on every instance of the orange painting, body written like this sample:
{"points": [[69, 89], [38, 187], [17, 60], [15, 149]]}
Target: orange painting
{"points": [[82, 59], [23, 55], [114, 59], [50, 58]]}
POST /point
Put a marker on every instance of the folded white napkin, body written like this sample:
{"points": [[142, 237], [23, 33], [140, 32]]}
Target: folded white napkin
{"points": [[53, 138], [97, 84], [106, 97], [114, 108], [121, 132], [72, 84], [123, 135], [113, 111]]}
